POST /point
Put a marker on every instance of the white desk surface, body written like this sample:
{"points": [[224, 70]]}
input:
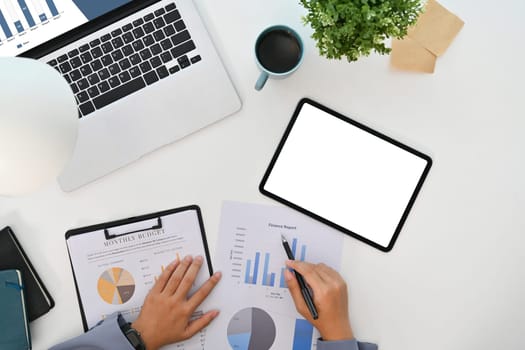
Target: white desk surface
{"points": [[455, 279]]}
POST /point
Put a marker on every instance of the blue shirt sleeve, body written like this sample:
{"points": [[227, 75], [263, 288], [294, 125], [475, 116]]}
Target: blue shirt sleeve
{"points": [[98, 337], [344, 345], [109, 332]]}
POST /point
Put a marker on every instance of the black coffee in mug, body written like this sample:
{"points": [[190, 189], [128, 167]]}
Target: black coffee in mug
{"points": [[278, 51]]}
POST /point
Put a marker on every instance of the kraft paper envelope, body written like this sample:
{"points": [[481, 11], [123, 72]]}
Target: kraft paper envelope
{"points": [[407, 54], [436, 28]]}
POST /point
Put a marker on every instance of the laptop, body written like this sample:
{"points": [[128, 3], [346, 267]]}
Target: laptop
{"points": [[145, 73]]}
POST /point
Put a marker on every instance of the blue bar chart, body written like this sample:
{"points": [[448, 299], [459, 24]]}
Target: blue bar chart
{"points": [[25, 24], [27, 13], [39, 11], [16, 16], [19, 27], [303, 333], [10, 21], [252, 278], [268, 278], [52, 7], [5, 26]]}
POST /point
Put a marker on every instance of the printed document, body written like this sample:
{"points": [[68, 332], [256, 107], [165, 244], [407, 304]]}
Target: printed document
{"points": [[116, 274], [256, 309]]}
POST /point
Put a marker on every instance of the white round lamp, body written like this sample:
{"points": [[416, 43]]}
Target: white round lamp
{"points": [[38, 125]]}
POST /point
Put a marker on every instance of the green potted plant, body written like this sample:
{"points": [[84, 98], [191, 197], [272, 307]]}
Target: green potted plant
{"points": [[353, 28]]}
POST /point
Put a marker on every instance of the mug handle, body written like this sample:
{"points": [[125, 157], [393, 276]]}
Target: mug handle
{"points": [[261, 81]]}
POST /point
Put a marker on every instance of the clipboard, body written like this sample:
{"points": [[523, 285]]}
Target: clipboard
{"points": [[116, 263], [345, 174]]}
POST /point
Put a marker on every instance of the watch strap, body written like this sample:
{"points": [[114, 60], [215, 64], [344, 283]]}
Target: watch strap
{"points": [[131, 334]]}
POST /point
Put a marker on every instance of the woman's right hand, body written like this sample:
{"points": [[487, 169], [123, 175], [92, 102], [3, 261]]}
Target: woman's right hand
{"points": [[330, 296]]}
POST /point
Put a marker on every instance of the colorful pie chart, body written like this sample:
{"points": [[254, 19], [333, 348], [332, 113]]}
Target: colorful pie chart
{"points": [[116, 286]]}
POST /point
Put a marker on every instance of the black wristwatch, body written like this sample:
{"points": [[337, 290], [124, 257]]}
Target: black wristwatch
{"points": [[131, 334]]}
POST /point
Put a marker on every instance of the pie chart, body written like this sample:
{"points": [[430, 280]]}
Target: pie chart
{"points": [[251, 329], [116, 286]]}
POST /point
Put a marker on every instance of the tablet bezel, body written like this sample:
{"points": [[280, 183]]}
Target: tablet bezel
{"points": [[366, 129]]}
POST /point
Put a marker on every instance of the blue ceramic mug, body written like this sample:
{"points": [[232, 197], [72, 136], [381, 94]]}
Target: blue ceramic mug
{"points": [[278, 53]]}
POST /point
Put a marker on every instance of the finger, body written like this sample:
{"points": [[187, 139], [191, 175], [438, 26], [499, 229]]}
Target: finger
{"points": [[295, 291], [309, 272], [189, 277], [161, 282], [204, 290], [177, 275], [200, 323]]}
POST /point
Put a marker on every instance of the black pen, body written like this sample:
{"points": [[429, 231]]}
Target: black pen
{"points": [[304, 288]]}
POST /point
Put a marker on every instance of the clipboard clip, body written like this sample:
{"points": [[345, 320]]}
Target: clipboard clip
{"points": [[120, 231]]}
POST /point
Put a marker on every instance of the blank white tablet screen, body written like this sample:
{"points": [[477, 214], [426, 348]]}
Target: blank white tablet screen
{"points": [[345, 175]]}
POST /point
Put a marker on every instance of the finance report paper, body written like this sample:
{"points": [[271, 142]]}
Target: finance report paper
{"points": [[116, 274], [256, 309]]}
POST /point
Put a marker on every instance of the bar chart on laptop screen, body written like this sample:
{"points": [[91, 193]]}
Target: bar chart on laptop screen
{"points": [[25, 24], [18, 16]]}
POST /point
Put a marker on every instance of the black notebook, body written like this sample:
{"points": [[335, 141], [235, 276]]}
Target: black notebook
{"points": [[12, 256]]}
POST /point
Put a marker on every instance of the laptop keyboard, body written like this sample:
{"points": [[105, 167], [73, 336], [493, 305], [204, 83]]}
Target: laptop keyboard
{"points": [[128, 59]]}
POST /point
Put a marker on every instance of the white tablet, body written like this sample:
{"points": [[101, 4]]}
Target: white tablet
{"points": [[345, 174]]}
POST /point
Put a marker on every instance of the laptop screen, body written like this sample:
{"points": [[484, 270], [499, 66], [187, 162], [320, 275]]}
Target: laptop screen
{"points": [[25, 24]]}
